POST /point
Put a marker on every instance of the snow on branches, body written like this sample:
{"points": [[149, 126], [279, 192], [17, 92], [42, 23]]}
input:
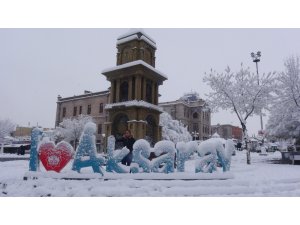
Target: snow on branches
{"points": [[6, 127], [173, 130], [284, 120], [240, 92], [71, 129]]}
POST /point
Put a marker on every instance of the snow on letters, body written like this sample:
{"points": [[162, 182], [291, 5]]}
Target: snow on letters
{"points": [[87, 147]]}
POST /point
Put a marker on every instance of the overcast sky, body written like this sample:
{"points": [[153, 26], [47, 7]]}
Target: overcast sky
{"points": [[36, 65]]}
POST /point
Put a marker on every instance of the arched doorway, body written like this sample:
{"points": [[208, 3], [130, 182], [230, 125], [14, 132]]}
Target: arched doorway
{"points": [[151, 130], [119, 126]]}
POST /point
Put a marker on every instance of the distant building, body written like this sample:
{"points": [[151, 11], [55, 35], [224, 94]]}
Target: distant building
{"points": [[193, 112], [227, 131], [22, 132]]}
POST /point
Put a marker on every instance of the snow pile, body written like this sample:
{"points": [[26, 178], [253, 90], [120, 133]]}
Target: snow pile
{"points": [[86, 151], [173, 130]]}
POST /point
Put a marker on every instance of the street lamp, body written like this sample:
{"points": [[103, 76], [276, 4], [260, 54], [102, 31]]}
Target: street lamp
{"points": [[195, 135], [256, 59]]}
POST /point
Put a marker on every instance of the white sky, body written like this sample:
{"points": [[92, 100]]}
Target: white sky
{"points": [[38, 64]]}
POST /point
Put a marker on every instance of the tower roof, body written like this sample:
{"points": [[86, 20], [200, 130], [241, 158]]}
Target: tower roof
{"points": [[135, 33]]}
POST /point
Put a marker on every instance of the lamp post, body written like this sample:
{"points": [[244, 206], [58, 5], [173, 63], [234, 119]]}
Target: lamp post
{"points": [[195, 135], [104, 143], [256, 59]]}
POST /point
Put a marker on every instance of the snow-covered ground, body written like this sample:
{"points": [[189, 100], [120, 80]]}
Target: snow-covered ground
{"points": [[262, 178]]}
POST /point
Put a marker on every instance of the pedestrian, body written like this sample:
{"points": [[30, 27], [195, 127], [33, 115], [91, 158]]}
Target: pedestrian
{"points": [[22, 150], [239, 146], [128, 142]]}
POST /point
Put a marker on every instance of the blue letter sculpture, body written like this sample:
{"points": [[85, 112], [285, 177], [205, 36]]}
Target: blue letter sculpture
{"points": [[115, 157], [141, 153], [224, 155], [35, 137], [167, 159], [87, 148], [184, 151], [208, 152]]}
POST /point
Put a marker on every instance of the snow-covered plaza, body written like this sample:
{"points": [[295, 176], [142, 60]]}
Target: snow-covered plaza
{"points": [[264, 177]]}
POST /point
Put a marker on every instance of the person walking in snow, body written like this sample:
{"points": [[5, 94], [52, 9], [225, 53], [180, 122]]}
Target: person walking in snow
{"points": [[128, 142]]}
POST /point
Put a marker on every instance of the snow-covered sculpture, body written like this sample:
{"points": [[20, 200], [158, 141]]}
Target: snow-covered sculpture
{"points": [[224, 155], [165, 150], [207, 163], [141, 153], [212, 151], [86, 151], [184, 151], [35, 137], [115, 157], [53, 157]]}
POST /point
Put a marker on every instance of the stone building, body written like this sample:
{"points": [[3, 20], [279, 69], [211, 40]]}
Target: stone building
{"points": [[227, 131], [89, 103], [193, 112]]}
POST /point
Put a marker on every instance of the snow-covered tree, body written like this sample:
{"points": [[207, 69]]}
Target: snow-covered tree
{"points": [[240, 93], [71, 129], [6, 127], [173, 130], [284, 120]]}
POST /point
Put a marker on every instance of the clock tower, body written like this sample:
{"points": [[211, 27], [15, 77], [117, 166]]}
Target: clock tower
{"points": [[133, 101]]}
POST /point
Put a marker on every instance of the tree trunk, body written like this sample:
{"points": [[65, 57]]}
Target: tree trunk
{"points": [[246, 143]]}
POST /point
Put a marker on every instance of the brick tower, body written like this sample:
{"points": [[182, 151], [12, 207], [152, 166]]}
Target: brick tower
{"points": [[134, 94]]}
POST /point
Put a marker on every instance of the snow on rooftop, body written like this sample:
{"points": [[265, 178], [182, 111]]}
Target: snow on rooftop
{"points": [[191, 97], [134, 37], [134, 103], [134, 63], [133, 31]]}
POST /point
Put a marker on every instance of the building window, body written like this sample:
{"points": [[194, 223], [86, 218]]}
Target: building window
{"points": [[64, 112], [80, 110], [89, 109], [149, 91], [133, 88], [75, 111], [124, 91], [99, 128], [101, 108], [195, 115]]}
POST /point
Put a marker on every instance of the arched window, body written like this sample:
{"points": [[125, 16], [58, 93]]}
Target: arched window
{"points": [[195, 115], [124, 91]]}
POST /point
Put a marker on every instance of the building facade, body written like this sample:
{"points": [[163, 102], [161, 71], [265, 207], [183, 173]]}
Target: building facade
{"points": [[89, 103], [193, 112], [228, 131]]}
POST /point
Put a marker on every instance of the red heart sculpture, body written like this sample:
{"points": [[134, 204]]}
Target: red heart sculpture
{"points": [[55, 157]]}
